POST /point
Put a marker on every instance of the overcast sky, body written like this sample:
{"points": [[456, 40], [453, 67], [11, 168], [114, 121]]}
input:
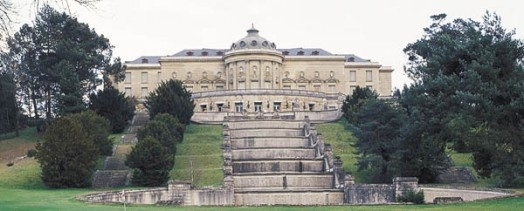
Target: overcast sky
{"points": [[372, 29]]}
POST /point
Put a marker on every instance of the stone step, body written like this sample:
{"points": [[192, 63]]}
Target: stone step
{"points": [[268, 142], [273, 153], [111, 178], [265, 124], [278, 166], [115, 163], [279, 132], [279, 182], [290, 197]]}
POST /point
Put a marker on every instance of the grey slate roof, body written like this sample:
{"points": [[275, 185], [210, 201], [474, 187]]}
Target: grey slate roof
{"points": [[221, 52]]}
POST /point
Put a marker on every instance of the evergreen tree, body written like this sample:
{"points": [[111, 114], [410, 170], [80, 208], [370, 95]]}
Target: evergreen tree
{"points": [[468, 90], [174, 126], [161, 132], [97, 129], [8, 104], [114, 106], [151, 163], [172, 98], [354, 101], [377, 128], [67, 155]]}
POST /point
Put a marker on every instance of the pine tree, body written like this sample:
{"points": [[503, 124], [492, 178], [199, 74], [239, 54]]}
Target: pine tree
{"points": [[151, 163], [172, 98]]}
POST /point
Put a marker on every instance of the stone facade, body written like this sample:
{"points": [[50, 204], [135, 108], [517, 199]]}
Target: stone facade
{"points": [[254, 63]]}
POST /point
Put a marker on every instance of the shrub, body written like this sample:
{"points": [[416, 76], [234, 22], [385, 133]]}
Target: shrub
{"points": [[411, 196], [31, 153]]}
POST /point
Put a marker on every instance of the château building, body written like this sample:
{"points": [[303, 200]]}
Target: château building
{"points": [[254, 77]]}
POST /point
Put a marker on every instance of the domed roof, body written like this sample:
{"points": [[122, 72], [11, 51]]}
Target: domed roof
{"points": [[253, 41]]}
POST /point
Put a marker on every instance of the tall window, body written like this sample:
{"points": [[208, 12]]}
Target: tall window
{"points": [[159, 77], [369, 75], [128, 78], [144, 77], [331, 88], [352, 76], [145, 93]]}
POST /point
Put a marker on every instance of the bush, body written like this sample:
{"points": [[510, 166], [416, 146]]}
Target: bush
{"points": [[151, 163], [67, 156], [31, 153], [415, 197]]}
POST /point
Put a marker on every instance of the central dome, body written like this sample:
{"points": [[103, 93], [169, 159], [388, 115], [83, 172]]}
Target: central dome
{"points": [[253, 41]]}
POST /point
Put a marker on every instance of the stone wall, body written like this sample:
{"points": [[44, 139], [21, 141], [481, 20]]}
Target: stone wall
{"points": [[378, 193], [177, 193]]}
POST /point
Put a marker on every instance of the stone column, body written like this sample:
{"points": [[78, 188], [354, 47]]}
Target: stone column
{"points": [[404, 185]]}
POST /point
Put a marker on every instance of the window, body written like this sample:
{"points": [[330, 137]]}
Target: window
{"points": [[159, 77], [316, 88], [144, 77], [286, 87], [128, 92], [220, 87], [128, 78], [239, 107], [276, 106], [300, 53], [219, 106], [352, 76], [145, 93], [302, 87], [369, 87], [369, 75], [258, 106], [204, 88], [203, 107], [332, 88], [189, 88]]}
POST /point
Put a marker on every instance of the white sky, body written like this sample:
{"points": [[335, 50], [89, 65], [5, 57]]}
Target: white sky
{"points": [[372, 29]]}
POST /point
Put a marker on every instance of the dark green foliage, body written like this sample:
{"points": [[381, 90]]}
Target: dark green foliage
{"points": [[67, 155], [174, 126], [160, 131], [377, 127], [415, 197], [97, 129], [31, 153], [113, 105], [151, 163], [57, 61], [468, 91], [354, 101], [172, 98], [8, 104]]}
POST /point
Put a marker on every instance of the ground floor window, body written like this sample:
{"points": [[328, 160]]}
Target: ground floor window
{"points": [[276, 106]]}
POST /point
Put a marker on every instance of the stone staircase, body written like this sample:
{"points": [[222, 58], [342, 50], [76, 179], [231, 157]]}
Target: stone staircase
{"points": [[115, 172], [140, 118], [279, 162]]}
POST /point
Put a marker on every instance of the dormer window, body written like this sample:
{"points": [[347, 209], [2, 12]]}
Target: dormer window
{"points": [[314, 53], [204, 53], [351, 59], [145, 61], [300, 53], [253, 43], [189, 53], [285, 53], [220, 53]]}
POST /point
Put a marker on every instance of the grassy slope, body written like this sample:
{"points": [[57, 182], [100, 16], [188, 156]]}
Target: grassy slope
{"points": [[199, 156], [21, 188]]}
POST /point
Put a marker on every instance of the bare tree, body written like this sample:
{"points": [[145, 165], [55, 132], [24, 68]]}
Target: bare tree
{"points": [[8, 10]]}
